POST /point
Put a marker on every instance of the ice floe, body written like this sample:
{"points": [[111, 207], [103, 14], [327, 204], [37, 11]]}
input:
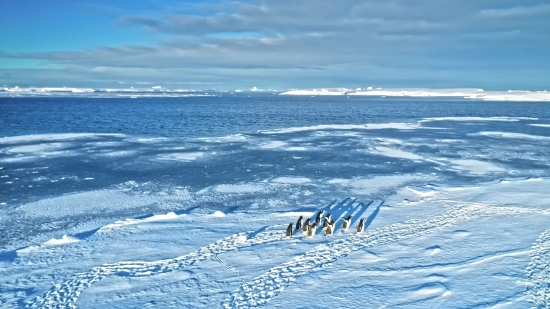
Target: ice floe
{"points": [[292, 180], [499, 118], [273, 144], [512, 135], [190, 156], [53, 137], [475, 167], [395, 153], [370, 126]]}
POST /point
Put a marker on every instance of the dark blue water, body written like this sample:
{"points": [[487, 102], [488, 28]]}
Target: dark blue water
{"points": [[217, 116]]}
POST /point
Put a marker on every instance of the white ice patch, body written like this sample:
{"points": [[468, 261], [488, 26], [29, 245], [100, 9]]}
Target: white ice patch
{"points": [[292, 180], [64, 240], [29, 149], [242, 188], [475, 167], [106, 144], [191, 156], [155, 218], [53, 137], [218, 214], [273, 145], [147, 140], [389, 141], [395, 153], [224, 139], [372, 126], [543, 125], [511, 135], [511, 119], [112, 154]]}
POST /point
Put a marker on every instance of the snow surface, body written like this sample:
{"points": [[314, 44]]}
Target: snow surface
{"points": [[454, 218]]}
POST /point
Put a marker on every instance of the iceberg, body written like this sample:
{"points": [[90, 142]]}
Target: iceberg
{"points": [[473, 93]]}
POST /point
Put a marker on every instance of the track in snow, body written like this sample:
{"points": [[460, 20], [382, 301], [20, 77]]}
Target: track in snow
{"points": [[261, 289], [538, 271], [65, 295]]}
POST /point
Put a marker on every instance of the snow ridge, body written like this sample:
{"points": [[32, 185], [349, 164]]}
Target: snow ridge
{"points": [[261, 289], [538, 271]]}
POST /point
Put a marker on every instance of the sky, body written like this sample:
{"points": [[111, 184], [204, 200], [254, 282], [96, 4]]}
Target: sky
{"points": [[276, 44]]}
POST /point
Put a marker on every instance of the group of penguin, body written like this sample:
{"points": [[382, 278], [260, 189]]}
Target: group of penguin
{"points": [[328, 225]]}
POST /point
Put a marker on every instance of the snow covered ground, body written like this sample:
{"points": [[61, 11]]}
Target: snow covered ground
{"points": [[456, 209]]}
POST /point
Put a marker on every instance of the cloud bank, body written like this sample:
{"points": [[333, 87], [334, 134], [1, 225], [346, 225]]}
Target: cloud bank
{"points": [[314, 43]]}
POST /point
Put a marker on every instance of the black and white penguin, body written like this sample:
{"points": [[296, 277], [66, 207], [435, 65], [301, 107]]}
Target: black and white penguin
{"points": [[330, 228], [299, 223], [306, 225], [312, 229], [347, 222], [328, 216], [326, 222], [318, 218], [289, 230], [361, 226]]}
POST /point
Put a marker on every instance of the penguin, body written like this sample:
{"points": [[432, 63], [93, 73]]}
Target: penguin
{"points": [[306, 225], [346, 223], [289, 230], [330, 229], [326, 222], [318, 218], [312, 229], [328, 216], [361, 226], [299, 223]]}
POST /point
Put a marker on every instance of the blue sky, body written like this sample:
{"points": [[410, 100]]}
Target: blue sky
{"points": [[491, 44]]}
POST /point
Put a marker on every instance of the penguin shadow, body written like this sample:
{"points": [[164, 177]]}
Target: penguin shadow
{"points": [[371, 218], [258, 231], [336, 210], [373, 215], [344, 208], [355, 211]]}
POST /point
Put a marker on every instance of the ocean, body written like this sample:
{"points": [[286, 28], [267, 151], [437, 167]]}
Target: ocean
{"points": [[183, 202]]}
